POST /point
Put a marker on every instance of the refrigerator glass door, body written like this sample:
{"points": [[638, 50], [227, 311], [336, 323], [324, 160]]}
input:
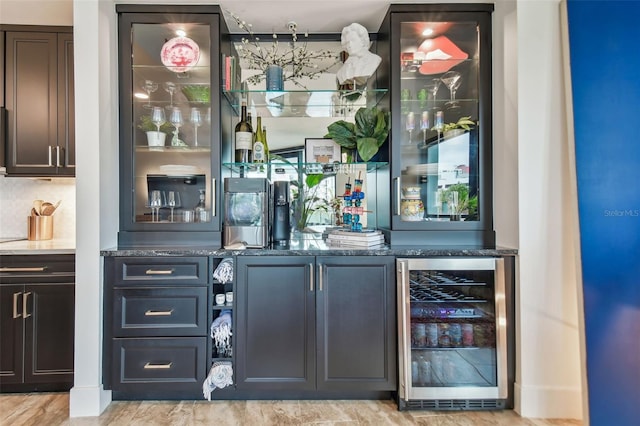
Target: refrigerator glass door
{"points": [[453, 328]]}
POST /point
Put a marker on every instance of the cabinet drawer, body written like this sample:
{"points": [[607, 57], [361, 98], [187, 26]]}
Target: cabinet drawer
{"points": [[161, 270], [28, 269], [180, 311], [179, 364]]}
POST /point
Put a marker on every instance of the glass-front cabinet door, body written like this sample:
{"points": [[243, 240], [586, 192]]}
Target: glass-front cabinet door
{"points": [[170, 132], [441, 121]]}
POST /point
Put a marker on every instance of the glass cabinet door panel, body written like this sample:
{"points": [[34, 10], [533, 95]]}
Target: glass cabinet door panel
{"points": [[439, 83]]}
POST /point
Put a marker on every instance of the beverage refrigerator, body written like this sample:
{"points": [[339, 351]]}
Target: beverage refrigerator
{"points": [[455, 328]]}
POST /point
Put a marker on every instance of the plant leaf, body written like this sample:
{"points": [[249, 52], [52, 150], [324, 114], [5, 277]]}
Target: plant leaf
{"points": [[343, 133], [367, 148], [313, 179]]}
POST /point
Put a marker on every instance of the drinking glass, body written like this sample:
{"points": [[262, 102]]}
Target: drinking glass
{"points": [[173, 201], [433, 89], [452, 80], [424, 124], [176, 121], [410, 123], [170, 88], [149, 86], [155, 203], [158, 117], [196, 120]]}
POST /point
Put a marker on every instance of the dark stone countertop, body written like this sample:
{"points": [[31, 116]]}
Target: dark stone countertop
{"points": [[313, 247]]}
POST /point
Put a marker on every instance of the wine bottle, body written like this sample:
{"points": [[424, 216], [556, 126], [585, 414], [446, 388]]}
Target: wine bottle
{"points": [[259, 144], [244, 135], [266, 145]]}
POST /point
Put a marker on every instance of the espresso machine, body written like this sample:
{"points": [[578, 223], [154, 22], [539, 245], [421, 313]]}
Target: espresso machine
{"points": [[281, 229], [246, 206]]}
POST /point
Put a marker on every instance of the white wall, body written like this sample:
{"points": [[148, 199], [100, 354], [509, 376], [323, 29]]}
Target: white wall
{"points": [[549, 376]]}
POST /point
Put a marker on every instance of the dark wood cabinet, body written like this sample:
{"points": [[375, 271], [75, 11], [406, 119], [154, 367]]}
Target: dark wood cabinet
{"points": [[315, 323], [37, 305], [157, 318], [39, 99]]}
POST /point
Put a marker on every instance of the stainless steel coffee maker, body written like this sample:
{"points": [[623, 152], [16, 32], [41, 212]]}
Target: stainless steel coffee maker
{"points": [[246, 206]]}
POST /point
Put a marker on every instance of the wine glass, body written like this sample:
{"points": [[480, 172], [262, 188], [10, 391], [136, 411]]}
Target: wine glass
{"points": [[452, 80], [433, 89], [410, 123], [176, 121], [149, 86], [158, 117], [196, 120], [155, 204], [424, 124], [173, 201], [170, 87]]}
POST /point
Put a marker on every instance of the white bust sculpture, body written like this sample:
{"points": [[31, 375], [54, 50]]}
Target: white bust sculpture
{"points": [[361, 64]]}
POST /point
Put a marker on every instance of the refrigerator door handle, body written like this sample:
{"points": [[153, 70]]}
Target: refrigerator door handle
{"points": [[403, 327], [501, 329]]}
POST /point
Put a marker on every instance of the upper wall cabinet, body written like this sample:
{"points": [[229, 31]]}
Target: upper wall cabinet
{"points": [[439, 63], [39, 98], [170, 128]]}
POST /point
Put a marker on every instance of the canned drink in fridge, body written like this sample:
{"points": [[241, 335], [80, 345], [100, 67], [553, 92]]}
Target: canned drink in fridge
{"points": [[455, 331], [415, 372], [424, 371], [467, 335], [444, 339], [432, 335], [418, 335]]}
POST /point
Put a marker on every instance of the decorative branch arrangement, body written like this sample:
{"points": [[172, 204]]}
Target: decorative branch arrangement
{"points": [[296, 59]]}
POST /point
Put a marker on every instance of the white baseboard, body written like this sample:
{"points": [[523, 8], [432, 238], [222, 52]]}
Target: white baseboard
{"points": [[547, 402], [88, 401]]}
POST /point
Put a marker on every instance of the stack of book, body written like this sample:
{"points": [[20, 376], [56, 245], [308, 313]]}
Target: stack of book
{"points": [[355, 240]]}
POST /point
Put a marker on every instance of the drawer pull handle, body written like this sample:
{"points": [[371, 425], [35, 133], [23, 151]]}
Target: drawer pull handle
{"points": [[25, 298], [155, 366], [152, 313], [160, 271], [15, 305], [23, 269]]}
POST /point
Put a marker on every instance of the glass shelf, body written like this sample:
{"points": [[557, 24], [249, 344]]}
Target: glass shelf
{"points": [[303, 103], [308, 168], [174, 149]]}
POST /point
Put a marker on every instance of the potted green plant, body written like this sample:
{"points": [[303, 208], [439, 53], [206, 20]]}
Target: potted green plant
{"points": [[154, 138], [458, 201], [454, 129], [366, 135]]}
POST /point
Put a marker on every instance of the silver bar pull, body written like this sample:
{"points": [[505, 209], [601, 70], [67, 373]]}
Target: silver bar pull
{"points": [[15, 305], [319, 277], [50, 157], [58, 157], [213, 197], [25, 314], [403, 331], [311, 284], [160, 271], [397, 188], [501, 328], [154, 313], [23, 269], [157, 366]]}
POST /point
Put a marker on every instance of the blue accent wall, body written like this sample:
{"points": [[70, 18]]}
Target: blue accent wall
{"points": [[604, 38]]}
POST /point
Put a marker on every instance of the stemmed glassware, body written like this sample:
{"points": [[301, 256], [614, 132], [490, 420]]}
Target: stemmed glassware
{"points": [[170, 87], [452, 80], [424, 124], [155, 203], [176, 121], [433, 89], [158, 117], [149, 86], [410, 123], [196, 120], [173, 201]]}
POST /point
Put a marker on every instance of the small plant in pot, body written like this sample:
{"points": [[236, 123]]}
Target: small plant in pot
{"points": [[154, 137], [366, 135], [454, 129], [457, 198]]}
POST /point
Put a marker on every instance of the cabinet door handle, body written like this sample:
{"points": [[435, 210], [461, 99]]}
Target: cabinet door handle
{"points": [[58, 149], [397, 194], [157, 366], [15, 305], [50, 158], [22, 269], [154, 313], [160, 271], [213, 197], [25, 298], [319, 277], [311, 277]]}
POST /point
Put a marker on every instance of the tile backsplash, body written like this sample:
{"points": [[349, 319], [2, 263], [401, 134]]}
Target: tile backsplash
{"points": [[16, 200]]}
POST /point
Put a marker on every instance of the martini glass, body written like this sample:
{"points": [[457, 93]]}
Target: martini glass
{"points": [[452, 80], [196, 121], [433, 89], [149, 86], [170, 88]]}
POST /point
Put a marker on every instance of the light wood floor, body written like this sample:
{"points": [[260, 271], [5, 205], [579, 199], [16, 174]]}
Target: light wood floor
{"points": [[52, 409]]}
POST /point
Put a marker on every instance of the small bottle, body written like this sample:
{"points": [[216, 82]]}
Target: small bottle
{"points": [[259, 144], [201, 210], [244, 136]]}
